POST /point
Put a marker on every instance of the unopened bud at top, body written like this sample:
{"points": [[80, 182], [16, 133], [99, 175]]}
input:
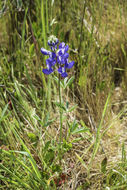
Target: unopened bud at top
{"points": [[53, 40]]}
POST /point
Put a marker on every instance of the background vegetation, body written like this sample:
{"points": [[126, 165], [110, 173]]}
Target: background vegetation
{"points": [[94, 134]]}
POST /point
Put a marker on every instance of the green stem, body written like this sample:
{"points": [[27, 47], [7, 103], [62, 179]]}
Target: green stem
{"points": [[61, 121]]}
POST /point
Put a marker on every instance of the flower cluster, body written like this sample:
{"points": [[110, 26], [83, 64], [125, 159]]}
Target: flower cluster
{"points": [[58, 58]]}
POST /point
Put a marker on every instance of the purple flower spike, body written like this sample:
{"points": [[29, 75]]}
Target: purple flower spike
{"points": [[58, 58]]}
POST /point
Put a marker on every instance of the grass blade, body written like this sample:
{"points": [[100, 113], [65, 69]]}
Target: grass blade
{"points": [[98, 135]]}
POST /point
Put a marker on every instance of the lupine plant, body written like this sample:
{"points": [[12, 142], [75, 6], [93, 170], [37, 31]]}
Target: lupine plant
{"points": [[58, 61]]}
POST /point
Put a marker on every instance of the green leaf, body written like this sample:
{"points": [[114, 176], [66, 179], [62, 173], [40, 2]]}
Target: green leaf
{"points": [[32, 137], [46, 122], [123, 153], [73, 126], [82, 161], [80, 130], [72, 108], [3, 112], [103, 165], [60, 105], [57, 80], [69, 82], [98, 134], [21, 152], [66, 145], [65, 81], [31, 50], [123, 50], [77, 139], [82, 123]]}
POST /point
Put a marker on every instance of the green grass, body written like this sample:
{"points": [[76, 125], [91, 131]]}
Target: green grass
{"points": [[89, 150]]}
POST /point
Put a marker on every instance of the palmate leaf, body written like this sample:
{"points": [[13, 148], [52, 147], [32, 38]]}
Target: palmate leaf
{"points": [[60, 105], [66, 108], [80, 130], [46, 121], [72, 108], [57, 80], [64, 83], [75, 129], [68, 82], [73, 126]]}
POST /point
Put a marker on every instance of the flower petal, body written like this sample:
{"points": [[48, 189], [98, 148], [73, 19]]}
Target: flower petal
{"points": [[45, 52], [66, 48], [51, 62], [64, 74], [69, 65], [66, 55], [53, 48], [59, 59], [54, 41], [60, 52], [62, 45], [52, 55], [60, 70], [47, 71]]}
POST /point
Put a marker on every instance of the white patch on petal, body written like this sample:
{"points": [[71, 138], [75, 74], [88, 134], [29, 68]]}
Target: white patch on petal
{"points": [[63, 50], [48, 66], [63, 44], [63, 69], [58, 52], [60, 58]]}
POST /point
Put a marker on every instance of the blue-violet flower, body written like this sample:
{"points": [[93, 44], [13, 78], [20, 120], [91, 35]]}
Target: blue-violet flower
{"points": [[57, 57]]}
